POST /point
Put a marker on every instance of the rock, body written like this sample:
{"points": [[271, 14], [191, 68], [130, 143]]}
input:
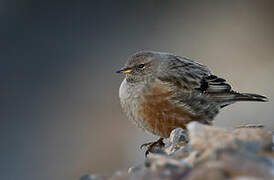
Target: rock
{"points": [[178, 136], [205, 152], [204, 138], [157, 161], [228, 163], [120, 175], [259, 136], [92, 177], [177, 140], [250, 126]]}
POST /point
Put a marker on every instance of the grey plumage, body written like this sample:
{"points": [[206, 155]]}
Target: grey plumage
{"points": [[193, 89], [192, 76]]}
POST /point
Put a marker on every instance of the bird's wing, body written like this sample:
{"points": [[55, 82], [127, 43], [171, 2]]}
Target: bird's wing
{"points": [[191, 79], [190, 75]]}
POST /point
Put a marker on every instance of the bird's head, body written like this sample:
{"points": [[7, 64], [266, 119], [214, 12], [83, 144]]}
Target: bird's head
{"points": [[143, 66]]}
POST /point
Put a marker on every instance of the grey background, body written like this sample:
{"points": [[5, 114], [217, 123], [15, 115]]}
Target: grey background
{"points": [[60, 112]]}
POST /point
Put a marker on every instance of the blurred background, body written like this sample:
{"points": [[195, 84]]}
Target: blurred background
{"points": [[60, 112]]}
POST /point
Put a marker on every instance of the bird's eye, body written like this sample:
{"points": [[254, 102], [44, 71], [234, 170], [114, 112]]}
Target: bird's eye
{"points": [[140, 66]]}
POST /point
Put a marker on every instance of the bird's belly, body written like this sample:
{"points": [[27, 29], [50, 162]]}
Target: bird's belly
{"points": [[160, 116]]}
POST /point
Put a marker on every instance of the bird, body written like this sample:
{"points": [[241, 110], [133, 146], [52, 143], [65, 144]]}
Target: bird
{"points": [[162, 91]]}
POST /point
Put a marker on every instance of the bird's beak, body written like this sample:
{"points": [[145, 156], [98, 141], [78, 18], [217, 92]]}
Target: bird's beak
{"points": [[124, 70]]}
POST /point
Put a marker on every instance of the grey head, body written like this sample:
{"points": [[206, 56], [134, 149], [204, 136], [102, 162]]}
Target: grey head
{"points": [[144, 65]]}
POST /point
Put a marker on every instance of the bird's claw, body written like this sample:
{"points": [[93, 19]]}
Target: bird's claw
{"points": [[151, 145]]}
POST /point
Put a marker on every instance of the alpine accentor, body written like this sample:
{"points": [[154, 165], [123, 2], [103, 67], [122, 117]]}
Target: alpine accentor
{"points": [[162, 91]]}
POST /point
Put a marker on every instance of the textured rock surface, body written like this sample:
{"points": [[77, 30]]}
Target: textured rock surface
{"points": [[204, 153]]}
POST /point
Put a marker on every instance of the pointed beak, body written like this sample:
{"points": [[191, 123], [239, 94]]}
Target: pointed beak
{"points": [[124, 70]]}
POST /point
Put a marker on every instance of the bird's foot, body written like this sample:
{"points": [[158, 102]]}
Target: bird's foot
{"points": [[152, 145]]}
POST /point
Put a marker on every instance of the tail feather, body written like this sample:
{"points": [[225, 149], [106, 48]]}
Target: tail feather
{"points": [[221, 92], [250, 97], [224, 99]]}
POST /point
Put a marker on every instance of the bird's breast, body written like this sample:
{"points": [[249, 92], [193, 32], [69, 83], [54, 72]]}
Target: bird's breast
{"points": [[130, 97], [151, 109]]}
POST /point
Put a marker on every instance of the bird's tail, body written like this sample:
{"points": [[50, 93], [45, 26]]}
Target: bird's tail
{"points": [[231, 97], [249, 97]]}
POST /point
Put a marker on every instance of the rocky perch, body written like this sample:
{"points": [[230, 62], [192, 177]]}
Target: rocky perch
{"points": [[205, 152]]}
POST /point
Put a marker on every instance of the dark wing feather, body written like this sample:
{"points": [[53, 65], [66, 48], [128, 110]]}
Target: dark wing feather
{"points": [[214, 84], [189, 76], [185, 73]]}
